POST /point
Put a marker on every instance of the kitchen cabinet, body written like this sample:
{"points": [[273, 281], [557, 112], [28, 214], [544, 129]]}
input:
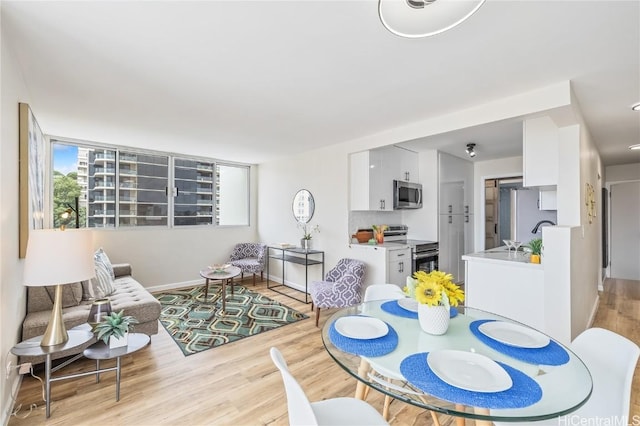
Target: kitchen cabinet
{"points": [[540, 152], [371, 182], [372, 174], [548, 199], [406, 164], [452, 198], [398, 265], [452, 245]]}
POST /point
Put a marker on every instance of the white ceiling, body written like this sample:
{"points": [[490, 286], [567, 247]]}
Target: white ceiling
{"points": [[254, 81]]}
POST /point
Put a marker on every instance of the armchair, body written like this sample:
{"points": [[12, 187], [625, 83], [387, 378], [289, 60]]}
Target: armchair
{"points": [[250, 258], [340, 288]]}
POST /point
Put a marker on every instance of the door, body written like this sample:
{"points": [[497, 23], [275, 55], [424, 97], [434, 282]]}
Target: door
{"points": [[625, 230], [491, 201]]}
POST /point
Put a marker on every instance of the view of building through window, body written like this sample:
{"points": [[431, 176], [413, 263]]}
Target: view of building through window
{"points": [[119, 186]]}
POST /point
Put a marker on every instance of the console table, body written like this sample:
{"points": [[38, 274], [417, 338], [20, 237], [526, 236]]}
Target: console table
{"points": [[299, 256]]}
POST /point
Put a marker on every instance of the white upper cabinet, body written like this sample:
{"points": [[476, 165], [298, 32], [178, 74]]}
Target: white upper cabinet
{"points": [[371, 182], [540, 152], [456, 183], [548, 199], [407, 164], [372, 174]]}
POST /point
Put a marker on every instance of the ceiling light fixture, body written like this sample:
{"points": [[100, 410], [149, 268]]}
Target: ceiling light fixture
{"points": [[423, 18], [471, 149], [636, 107], [635, 147]]}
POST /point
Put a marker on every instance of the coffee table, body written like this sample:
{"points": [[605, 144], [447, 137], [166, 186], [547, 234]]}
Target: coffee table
{"points": [[31, 347], [226, 277], [100, 351]]}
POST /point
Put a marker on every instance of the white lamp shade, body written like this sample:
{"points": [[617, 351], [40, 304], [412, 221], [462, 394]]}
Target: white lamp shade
{"points": [[58, 257], [403, 20]]}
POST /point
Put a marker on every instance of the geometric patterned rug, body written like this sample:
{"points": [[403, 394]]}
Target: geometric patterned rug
{"points": [[196, 324]]}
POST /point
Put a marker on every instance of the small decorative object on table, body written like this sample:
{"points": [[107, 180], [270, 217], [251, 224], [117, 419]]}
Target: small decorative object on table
{"points": [[435, 292], [219, 267], [535, 245], [307, 230], [100, 308], [378, 232], [114, 328]]}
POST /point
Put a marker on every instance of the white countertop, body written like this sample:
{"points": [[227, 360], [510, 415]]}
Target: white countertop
{"points": [[389, 246], [502, 256]]}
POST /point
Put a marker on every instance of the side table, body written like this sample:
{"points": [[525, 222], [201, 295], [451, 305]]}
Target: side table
{"points": [[225, 277], [31, 347], [100, 351]]}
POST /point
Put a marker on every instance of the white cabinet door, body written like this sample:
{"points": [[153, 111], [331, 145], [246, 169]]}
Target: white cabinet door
{"points": [[371, 184], [548, 200], [452, 198], [398, 266], [407, 162], [452, 245], [540, 152]]}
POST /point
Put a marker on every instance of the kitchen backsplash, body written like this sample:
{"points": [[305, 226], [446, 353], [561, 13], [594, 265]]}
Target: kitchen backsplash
{"points": [[364, 219]]}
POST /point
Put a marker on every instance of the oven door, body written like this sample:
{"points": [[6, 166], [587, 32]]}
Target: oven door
{"points": [[427, 261]]}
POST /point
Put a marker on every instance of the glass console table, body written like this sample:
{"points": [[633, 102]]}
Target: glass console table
{"points": [[298, 256]]}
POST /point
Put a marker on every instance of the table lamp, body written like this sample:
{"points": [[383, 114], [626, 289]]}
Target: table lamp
{"points": [[56, 257]]}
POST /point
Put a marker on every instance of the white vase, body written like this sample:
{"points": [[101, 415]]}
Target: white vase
{"points": [[118, 342], [433, 319]]}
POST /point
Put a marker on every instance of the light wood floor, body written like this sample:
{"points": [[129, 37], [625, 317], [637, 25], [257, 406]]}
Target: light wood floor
{"points": [[237, 384]]}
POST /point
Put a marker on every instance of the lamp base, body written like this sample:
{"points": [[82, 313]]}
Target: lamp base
{"points": [[56, 333]]}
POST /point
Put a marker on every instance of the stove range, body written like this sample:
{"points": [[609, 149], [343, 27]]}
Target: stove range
{"points": [[424, 254]]}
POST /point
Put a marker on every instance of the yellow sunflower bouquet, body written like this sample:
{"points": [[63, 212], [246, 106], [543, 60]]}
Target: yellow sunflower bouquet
{"points": [[434, 288]]}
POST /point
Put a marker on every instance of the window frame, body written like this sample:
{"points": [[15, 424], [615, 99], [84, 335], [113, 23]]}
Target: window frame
{"points": [[171, 183]]}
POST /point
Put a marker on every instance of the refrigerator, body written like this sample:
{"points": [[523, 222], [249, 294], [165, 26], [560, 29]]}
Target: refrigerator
{"points": [[525, 214]]}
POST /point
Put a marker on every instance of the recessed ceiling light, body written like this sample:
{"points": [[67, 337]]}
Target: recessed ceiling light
{"points": [[636, 146], [636, 107]]}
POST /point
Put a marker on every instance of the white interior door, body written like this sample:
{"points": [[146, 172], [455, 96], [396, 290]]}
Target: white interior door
{"points": [[625, 230]]}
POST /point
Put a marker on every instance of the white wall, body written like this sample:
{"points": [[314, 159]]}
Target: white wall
{"points": [[12, 292], [490, 169], [622, 173]]}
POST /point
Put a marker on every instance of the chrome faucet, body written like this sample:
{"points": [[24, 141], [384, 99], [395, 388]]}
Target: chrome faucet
{"points": [[535, 228]]}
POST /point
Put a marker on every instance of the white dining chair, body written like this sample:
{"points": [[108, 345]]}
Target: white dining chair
{"points": [[334, 411], [611, 360], [383, 292]]}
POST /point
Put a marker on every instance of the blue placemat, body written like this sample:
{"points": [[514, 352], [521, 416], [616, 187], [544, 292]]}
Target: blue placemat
{"points": [[524, 392], [552, 354], [364, 347], [393, 308]]}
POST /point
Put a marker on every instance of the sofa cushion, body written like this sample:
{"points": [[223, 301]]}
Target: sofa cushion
{"points": [[41, 298], [102, 284], [101, 257]]}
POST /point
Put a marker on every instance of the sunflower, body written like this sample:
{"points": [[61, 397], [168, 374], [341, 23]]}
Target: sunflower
{"points": [[428, 292], [432, 288]]}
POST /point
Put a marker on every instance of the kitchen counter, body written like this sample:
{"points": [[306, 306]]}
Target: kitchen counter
{"points": [[501, 255]]}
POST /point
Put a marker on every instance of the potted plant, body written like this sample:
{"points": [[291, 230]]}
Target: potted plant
{"points": [[378, 232], [307, 231], [435, 292], [535, 245], [114, 329]]}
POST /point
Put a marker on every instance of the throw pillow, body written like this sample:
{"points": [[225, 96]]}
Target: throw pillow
{"points": [[101, 256], [102, 284]]}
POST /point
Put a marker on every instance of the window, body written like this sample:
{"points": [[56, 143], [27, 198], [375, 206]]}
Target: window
{"points": [[124, 188]]}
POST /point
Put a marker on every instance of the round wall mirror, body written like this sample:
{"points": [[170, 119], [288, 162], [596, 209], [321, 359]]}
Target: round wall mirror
{"points": [[303, 206]]}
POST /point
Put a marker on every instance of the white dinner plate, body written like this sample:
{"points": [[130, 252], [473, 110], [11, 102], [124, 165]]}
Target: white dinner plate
{"points": [[468, 370], [409, 304], [513, 334], [357, 327]]}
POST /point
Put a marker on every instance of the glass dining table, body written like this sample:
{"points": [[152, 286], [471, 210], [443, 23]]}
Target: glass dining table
{"points": [[485, 367]]}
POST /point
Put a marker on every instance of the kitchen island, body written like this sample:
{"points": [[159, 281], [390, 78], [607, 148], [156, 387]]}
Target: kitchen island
{"points": [[506, 284]]}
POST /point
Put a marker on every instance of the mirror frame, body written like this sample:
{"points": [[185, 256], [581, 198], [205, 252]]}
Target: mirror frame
{"points": [[303, 196]]}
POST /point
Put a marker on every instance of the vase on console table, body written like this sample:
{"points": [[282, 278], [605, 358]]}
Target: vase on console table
{"points": [[433, 319], [305, 243]]}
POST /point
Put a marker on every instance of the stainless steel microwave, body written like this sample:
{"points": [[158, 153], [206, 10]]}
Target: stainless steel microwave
{"points": [[407, 195]]}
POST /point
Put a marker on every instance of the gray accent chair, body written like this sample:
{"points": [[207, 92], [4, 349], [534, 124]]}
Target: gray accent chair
{"points": [[250, 258]]}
